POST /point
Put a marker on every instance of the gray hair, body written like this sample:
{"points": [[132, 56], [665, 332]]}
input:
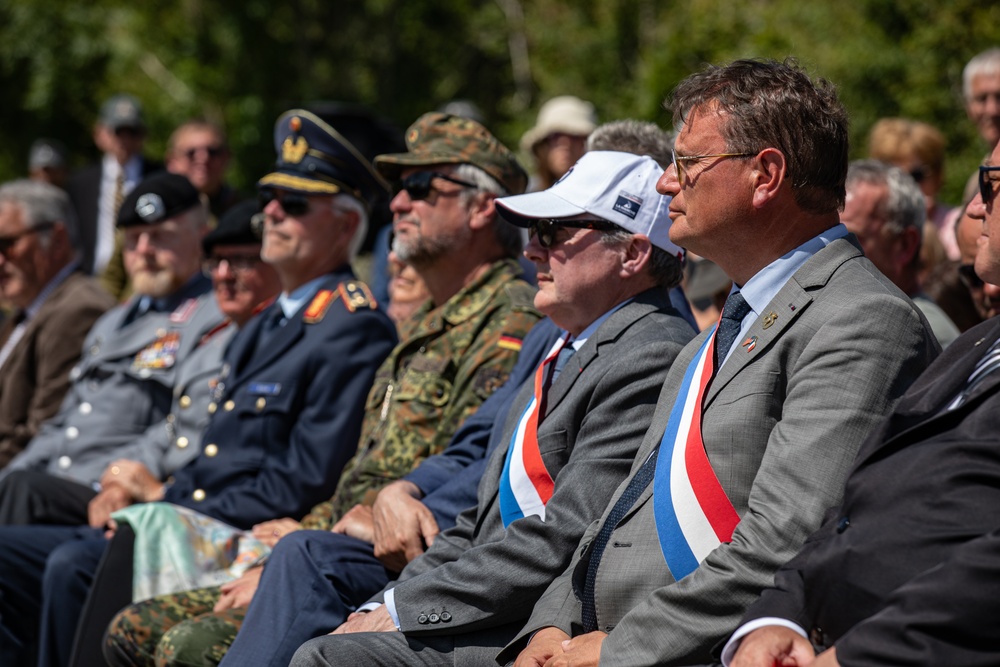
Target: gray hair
{"points": [[905, 206], [507, 236], [664, 268], [41, 203], [349, 203], [633, 136], [986, 63]]}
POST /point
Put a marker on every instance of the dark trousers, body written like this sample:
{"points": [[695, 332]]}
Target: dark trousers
{"points": [[29, 498], [45, 575], [312, 581]]}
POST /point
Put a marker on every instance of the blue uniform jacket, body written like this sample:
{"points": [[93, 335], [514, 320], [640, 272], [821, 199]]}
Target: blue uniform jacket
{"points": [[287, 415]]}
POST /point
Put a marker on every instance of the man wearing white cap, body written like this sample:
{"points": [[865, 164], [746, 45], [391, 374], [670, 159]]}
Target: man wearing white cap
{"points": [[599, 241]]}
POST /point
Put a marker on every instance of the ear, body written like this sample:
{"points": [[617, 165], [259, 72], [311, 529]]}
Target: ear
{"points": [[482, 210], [635, 256], [768, 176], [909, 245]]}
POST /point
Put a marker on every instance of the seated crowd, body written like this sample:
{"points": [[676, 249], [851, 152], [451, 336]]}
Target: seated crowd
{"points": [[531, 455]]}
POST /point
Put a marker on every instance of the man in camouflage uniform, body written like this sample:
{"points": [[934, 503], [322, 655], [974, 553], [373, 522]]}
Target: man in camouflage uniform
{"points": [[461, 347]]}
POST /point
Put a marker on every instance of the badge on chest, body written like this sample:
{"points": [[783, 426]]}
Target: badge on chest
{"points": [[161, 353]]}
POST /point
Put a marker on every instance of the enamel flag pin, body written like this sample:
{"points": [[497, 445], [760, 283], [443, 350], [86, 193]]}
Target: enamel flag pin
{"points": [[750, 343]]}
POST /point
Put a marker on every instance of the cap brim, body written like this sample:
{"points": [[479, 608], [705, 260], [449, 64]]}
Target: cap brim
{"points": [[296, 183], [389, 166], [523, 210]]}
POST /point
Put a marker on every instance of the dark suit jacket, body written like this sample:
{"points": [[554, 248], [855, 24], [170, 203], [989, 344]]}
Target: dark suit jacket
{"points": [[84, 189], [35, 377], [288, 414], [907, 570], [781, 426], [488, 576]]}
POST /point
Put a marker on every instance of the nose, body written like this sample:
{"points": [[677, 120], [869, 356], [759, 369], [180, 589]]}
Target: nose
{"points": [[224, 270], [668, 183], [993, 105], [142, 244], [991, 291], [401, 203], [533, 250], [976, 209], [273, 211]]}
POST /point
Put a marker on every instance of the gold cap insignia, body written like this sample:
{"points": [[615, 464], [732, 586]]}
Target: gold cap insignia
{"points": [[293, 151]]}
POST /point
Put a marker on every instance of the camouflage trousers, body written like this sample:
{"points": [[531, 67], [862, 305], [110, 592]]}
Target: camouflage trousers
{"points": [[176, 629]]}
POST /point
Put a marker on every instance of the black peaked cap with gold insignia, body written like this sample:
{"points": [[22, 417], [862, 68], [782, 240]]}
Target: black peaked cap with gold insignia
{"points": [[315, 159]]}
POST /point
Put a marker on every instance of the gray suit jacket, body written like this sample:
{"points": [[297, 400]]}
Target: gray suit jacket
{"points": [[781, 426], [114, 398], [596, 413]]}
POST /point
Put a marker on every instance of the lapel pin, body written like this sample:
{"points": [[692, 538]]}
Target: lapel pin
{"points": [[750, 343], [769, 319]]}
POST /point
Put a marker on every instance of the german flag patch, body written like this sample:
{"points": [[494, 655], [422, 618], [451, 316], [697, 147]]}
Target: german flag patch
{"points": [[356, 295], [508, 342], [318, 306]]}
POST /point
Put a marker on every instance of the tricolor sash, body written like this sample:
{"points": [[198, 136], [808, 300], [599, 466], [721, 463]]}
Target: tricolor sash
{"points": [[693, 514], [525, 484]]}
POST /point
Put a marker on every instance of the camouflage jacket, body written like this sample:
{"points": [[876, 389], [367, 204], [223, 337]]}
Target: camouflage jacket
{"points": [[448, 363]]}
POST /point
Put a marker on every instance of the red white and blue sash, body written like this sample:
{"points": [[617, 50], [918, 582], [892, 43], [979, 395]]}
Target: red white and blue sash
{"points": [[525, 484], [693, 514]]}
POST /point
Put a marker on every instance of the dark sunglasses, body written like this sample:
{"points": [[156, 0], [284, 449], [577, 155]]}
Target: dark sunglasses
{"points": [[212, 151], [967, 273], [291, 203], [236, 263], [546, 229], [986, 184], [418, 185], [7, 242]]}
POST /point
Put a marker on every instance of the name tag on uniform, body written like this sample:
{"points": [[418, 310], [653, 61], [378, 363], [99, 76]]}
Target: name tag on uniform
{"points": [[264, 388], [161, 353]]}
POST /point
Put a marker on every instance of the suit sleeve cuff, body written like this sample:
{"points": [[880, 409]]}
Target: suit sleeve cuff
{"points": [[729, 651], [390, 606]]}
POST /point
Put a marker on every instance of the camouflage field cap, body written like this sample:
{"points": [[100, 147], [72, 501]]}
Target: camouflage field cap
{"points": [[440, 138], [315, 159]]}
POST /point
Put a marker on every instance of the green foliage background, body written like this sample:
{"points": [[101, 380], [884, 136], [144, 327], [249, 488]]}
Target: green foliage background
{"points": [[243, 62]]}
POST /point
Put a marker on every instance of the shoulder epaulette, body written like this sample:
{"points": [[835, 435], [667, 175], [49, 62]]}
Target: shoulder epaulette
{"points": [[356, 295]]}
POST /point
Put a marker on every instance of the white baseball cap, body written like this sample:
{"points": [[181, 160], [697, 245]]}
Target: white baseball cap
{"points": [[617, 187]]}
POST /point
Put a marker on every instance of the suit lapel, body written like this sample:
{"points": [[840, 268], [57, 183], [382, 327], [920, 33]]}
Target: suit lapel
{"points": [[252, 359]]}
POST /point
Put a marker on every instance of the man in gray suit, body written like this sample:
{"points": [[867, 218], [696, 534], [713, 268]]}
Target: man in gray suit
{"points": [[740, 463], [605, 261], [122, 388]]}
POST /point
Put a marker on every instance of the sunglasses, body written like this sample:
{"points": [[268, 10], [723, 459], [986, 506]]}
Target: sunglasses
{"points": [[7, 242], [236, 263], [212, 151], [967, 274], [419, 185], [986, 183], [292, 204], [546, 229]]}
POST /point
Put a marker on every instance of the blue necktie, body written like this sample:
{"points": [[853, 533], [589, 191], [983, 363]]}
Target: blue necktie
{"points": [[733, 312]]}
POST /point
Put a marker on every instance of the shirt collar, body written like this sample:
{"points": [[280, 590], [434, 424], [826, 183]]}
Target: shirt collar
{"points": [[291, 302]]}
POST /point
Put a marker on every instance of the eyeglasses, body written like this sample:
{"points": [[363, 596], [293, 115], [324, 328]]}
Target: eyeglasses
{"points": [[546, 229], [236, 263], [418, 185], [291, 203], [7, 242], [967, 274], [680, 159], [212, 151], [918, 174], [986, 183]]}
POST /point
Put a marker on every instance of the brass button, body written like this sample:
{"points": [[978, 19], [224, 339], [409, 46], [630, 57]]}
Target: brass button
{"points": [[198, 495], [212, 407], [185, 401], [182, 442], [161, 332], [229, 405], [261, 402], [211, 450]]}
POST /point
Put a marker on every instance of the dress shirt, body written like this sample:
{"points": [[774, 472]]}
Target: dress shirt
{"points": [[107, 216]]}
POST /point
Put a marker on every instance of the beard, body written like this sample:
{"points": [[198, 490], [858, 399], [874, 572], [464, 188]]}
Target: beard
{"points": [[420, 251], [156, 284]]}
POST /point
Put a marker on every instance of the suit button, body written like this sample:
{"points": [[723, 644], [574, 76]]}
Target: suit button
{"points": [[229, 406], [445, 616], [211, 450], [185, 401], [72, 433], [182, 442], [161, 332], [843, 524], [434, 618], [145, 373], [198, 495], [65, 462], [816, 637], [422, 619], [212, 407], [261, 402], [94, 349], [86, 408], [75, 373]]}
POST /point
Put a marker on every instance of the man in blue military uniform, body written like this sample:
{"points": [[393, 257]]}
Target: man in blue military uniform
{"points": [[294, 381]]}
